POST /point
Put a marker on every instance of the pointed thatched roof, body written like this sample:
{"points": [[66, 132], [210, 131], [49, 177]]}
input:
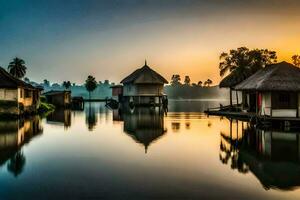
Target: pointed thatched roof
{"points": [[9, 81], [276, 77], [144, 75]]}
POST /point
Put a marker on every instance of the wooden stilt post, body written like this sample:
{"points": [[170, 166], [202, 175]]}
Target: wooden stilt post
{"points": [[237, 97], [230, 97], [256, 109]]}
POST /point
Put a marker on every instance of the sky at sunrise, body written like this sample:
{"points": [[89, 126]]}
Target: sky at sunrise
{"points": [[70, 39]]}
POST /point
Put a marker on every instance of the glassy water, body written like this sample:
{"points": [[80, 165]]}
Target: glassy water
{"points": [[142, 154]]}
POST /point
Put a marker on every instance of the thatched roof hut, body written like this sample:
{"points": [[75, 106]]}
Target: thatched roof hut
{"points": [[8, 81], [144, 75], [276, 77]]}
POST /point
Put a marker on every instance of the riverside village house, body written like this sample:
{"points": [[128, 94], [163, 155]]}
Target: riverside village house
{"points": [[16, 96], [143, 87], [58, 98], [273, 91]]}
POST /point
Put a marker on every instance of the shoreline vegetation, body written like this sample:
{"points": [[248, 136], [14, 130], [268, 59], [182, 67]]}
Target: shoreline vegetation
{"points": [[234, 67], [43, 110]]}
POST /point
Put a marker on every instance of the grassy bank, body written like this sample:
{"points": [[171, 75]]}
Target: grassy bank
{"points": [[45, 108]]}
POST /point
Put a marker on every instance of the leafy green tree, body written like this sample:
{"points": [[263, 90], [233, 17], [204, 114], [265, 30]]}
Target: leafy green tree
{"points": [[90, 84], [17, 68], [187, 80], [296, 60], [67, 84]]}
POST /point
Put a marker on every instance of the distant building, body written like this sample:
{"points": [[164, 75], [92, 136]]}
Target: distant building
{"points": [[16, 96], [143, 87], [117, 92], [58, 98], [273, 91]]}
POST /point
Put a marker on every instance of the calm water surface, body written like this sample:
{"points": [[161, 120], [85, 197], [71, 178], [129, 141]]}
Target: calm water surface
{"points": [[98, 153]]}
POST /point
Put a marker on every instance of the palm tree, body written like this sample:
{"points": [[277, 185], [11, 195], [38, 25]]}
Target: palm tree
{"points": [[17, 68], [67, 84], [90, 84]]}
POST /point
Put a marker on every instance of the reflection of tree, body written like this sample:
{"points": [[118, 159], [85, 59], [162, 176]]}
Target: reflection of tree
{"points": [[175, 126], [187, 125], [16, 163], [209, 124], [91, 117], [230, 153]]}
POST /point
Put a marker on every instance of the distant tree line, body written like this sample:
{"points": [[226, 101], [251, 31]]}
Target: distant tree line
{"points": [[189, 90], [176, 81]]}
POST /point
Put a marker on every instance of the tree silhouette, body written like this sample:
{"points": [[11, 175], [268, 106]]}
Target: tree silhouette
{"points": [[296, 60], [175, 80], [17, 68], [90, 84], [187, 80], [67, 84], [200, 83], [46, 83], [208, 82], [242, 62], [26, 79]]}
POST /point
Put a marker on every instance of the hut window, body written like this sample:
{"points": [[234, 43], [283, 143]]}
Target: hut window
{"points": [[284, 98], [21, 93]]}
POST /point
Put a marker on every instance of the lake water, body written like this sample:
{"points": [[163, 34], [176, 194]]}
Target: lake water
{"points": [[142, 154]]}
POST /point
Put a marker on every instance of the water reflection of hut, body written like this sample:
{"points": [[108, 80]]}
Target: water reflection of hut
{"points": [[117, 115], [13, 135], [77, 103], [60, 117], [273, 156], [277, 165], [144, 125]]}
